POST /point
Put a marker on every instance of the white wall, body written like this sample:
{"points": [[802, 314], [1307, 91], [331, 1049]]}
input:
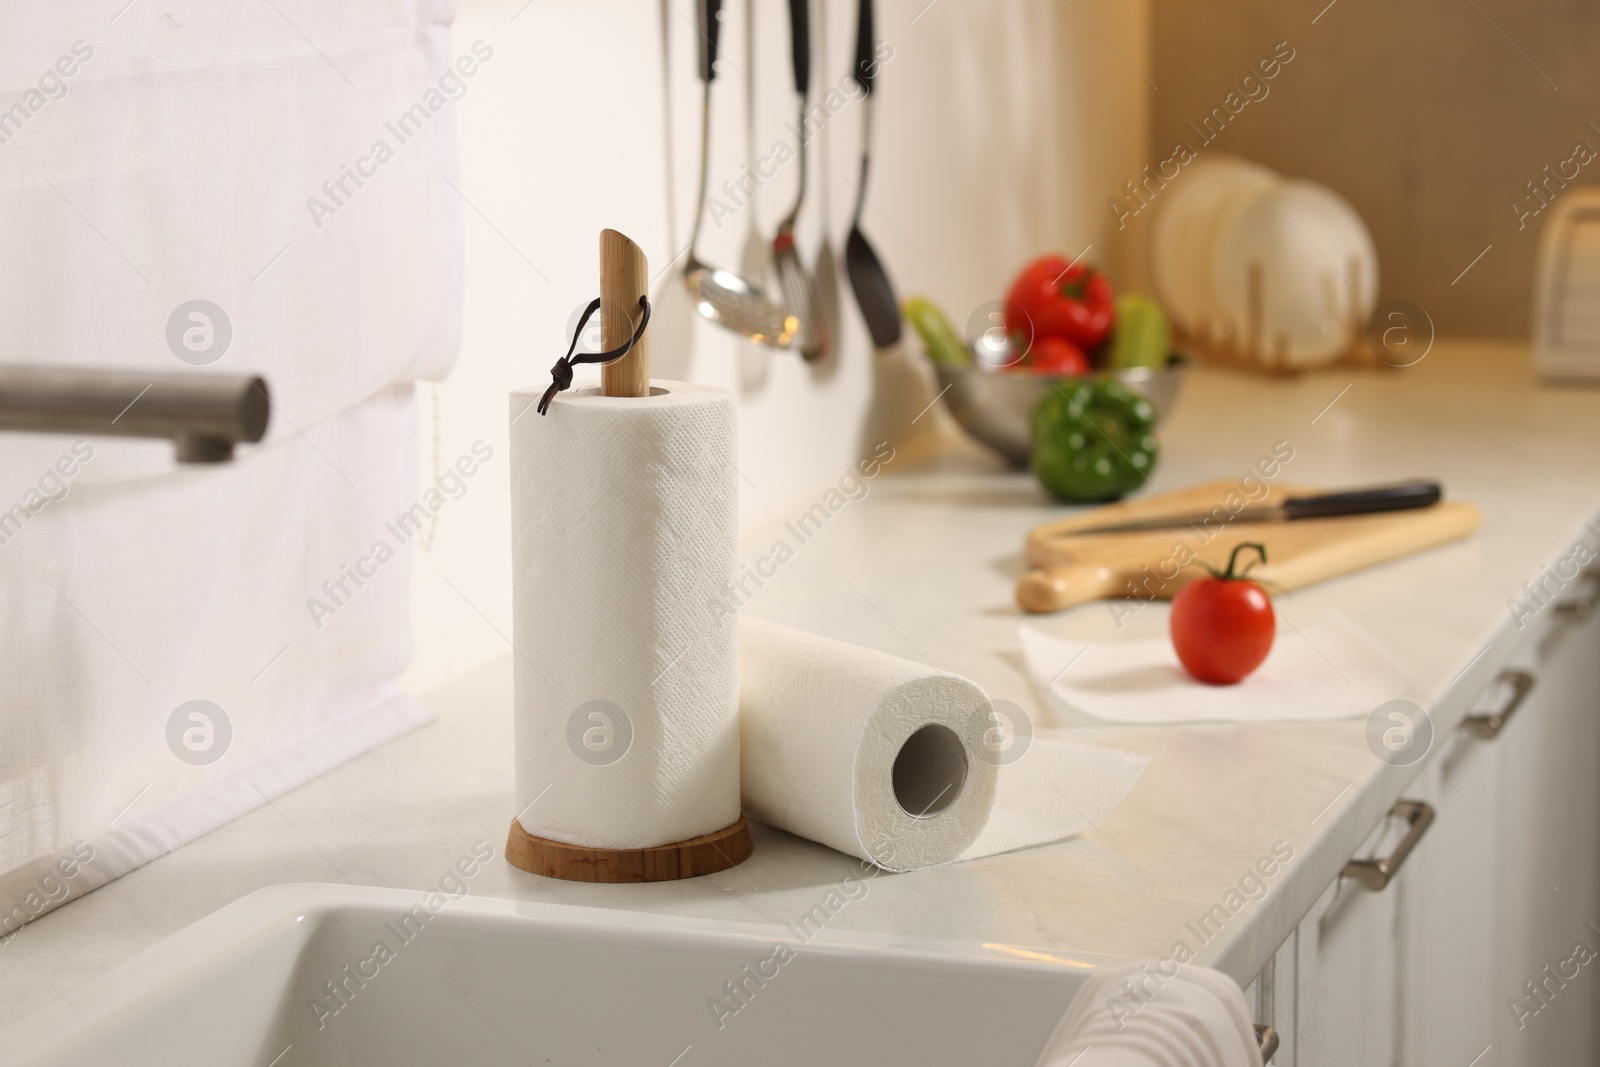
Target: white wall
{"points": [[1002, 129]]}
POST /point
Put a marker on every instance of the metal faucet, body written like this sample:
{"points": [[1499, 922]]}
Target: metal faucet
{"points": [[204, 415]]}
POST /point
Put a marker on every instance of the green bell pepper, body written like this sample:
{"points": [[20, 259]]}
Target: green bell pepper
{"points": [[1093, 441]]}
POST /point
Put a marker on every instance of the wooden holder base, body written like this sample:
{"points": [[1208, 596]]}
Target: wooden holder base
{"points": [[683, 859]]}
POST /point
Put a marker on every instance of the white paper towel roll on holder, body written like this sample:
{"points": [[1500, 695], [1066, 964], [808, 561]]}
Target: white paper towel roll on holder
{"points": [[624, 285]]}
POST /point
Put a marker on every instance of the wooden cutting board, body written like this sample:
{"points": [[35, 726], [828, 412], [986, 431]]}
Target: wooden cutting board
{"points": [[1154, 565]]}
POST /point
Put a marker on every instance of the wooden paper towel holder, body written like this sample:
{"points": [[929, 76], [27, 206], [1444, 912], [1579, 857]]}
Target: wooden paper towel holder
{"points": [[624, 278], [664, 863]]}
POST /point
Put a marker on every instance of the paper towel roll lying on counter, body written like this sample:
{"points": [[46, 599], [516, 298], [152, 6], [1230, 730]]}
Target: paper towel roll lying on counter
{"points": [[624, 528], [898, 763], [823, 725]]}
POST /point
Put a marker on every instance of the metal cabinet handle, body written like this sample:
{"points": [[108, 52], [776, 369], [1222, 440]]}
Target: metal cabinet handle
{"points": [[1269, 1041], [1375, 874], [1581, 606], [1572, 612], [1488, 726]]}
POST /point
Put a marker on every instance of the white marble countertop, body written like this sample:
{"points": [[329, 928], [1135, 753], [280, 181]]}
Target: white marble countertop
{"points": [[924, 566]]}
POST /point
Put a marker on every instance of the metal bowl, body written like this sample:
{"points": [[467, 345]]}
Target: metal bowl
{"points": [[996, 406]]}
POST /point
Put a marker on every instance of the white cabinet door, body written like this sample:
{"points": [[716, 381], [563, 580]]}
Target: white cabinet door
{"points": [[1547, 862], [1273, 995], [1448, 995], [1346, 971], [1482, 950]]}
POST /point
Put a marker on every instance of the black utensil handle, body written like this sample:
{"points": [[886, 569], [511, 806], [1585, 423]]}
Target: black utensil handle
{"points": [[710, 12], [866, 67], [1364, 501], [800, 43]]}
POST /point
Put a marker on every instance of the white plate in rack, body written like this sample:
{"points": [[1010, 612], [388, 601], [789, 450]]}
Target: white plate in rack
{"points": [[1318, 269], [1195, 206]]}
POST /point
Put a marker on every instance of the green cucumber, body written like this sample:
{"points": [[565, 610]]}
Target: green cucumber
{"points": [[944, 345], [1142, 337]]}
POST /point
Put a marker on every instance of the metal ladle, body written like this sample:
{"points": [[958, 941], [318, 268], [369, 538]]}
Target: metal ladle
{"points": [[874, 292], [719, 295]]}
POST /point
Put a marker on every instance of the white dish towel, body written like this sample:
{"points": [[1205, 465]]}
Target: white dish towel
{"points": [[257, 587], [152, 156], [1329, 669], [1135, 1016], [204, 152]]}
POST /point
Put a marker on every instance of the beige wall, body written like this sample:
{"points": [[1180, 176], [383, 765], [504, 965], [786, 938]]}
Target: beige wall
{"points": [[1421, 114], [1000, 124]]}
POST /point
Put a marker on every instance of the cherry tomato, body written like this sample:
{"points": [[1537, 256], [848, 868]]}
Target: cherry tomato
{"points": [[1052, 355], [1223, 625], [1054, 297]]}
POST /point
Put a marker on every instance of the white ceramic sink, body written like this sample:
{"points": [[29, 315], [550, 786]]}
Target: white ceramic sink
{"points": [[496, 982]]}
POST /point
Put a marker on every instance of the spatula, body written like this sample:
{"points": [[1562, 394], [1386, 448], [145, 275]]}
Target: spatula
{"points": [[868, 279]]}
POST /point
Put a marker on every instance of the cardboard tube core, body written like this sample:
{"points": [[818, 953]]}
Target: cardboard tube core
{"points": [[929, 771]]}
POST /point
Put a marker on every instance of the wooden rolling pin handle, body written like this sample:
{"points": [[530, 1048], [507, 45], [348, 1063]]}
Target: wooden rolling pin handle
{"points": [[1055, 588], [624, 278]]}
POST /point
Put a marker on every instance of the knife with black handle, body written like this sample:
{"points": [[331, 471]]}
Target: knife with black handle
{"points": [[1403, 497]]}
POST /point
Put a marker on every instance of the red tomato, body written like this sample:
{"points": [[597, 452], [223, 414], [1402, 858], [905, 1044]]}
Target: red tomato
{"points": [[1054, 297], [1052, 355], [1223, 625]]}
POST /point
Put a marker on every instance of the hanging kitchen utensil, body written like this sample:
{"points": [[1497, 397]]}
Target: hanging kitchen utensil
{"points": [[753, 262], [874, 292], [672, 312], [719, 295], [814, 342], [825, 278]]}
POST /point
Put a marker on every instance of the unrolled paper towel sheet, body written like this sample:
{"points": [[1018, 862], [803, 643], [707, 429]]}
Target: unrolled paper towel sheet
{"points": [[837, 748], [624, 516], [1330, 669]]}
